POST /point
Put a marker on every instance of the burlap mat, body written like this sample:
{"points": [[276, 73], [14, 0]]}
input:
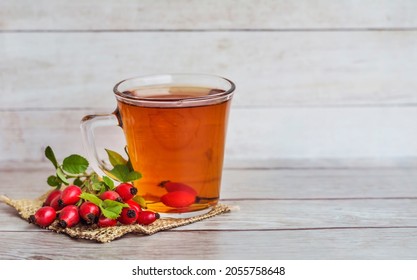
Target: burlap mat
{"points": [[27, 207]]}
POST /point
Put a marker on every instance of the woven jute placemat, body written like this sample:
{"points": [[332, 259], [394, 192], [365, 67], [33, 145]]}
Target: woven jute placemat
{"points": [[27, 207]]}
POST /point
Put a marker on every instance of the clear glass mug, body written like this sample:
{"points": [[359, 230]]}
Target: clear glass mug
{"points": [[175, 129]]}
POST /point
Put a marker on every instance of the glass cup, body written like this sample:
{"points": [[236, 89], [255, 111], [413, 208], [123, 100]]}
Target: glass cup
{"points": [[175, 129]]}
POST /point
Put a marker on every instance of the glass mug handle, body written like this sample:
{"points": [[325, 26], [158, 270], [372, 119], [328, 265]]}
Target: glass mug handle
{"points": [[88, 124]]}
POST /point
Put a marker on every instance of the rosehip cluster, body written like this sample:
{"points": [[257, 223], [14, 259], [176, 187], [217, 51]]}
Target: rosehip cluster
{"points": [[133, 214], [59, 204], [63, 205]]}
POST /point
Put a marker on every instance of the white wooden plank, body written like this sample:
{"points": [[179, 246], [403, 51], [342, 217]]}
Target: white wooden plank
{"points": [[185, 14], [319, 183], [309, 133], [345, 244], [289, 215], [377, 133], [79, 70]]}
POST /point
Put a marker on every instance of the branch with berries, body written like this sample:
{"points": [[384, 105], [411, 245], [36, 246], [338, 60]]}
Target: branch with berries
{"points": [[82, 196]]}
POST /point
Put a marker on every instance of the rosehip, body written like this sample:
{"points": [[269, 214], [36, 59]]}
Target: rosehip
{"points": [[69, 217], [112, 195], [178, 199], [43, 217], [70, 195], [126, 191], [176, 186], [128, 216], [103, 221], [89, 212], [147, 217], [55, 204], [133, 204], [51, 196]]}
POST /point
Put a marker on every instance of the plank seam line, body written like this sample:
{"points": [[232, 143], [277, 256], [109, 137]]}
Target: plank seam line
{"points": [[346, 29], [296, 229], [250, 230], [322, 198], [237, 107], [266, 168]]}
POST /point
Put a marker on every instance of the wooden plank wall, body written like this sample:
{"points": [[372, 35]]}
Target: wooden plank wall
{"points": [[318, 82]]}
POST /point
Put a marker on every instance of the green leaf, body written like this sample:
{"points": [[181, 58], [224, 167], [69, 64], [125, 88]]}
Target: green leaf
{"points": [[97, 186], [110, 214], [53, 181], [120, 172], [78, 182], [113, 203], [103, 189], [61, 175], [140, 200], [87, 185], [109, 182], [75, 164], [49, 153], [115, 158], [92, 198], [109, 208], [95, 182], [123, 174], [112, 209], [133, 176]]}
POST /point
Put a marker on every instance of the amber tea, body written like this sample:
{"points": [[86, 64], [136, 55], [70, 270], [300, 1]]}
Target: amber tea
{"points": [[175, 129], [177, 146]]}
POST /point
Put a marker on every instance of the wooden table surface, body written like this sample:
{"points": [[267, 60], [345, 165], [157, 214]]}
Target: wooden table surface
{"points": [[302, 213], [316, 80]]}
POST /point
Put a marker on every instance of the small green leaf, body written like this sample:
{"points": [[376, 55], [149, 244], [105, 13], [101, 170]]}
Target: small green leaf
{"points": [[140, 200], [120, 172], [112, 203], [103, 189], [95, 182], [123, 174], [115, 158], [133, 176], [112, 209], [61, 175], [78, 182], [92, 198], [94, 178], [75, 164], [110, 214], [87, 185], [109, 182], [53, 181], [49, 153], [97, 186]]}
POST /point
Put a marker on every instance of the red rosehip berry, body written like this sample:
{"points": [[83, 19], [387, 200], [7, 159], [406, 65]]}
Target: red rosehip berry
{"points": [[128, 216], [178, 199], [55, 204], [126, 191], [69, 216], [53, 194], [89, 212], [133, 204], [103, 221], [43, 217], [147, 217], [70, 195], [112, 195], [176, 186]]}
